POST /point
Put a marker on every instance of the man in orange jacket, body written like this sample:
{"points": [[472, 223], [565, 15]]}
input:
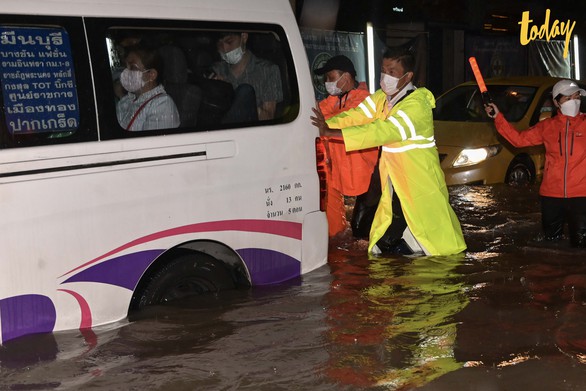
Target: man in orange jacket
{"points": [[349, 173]]}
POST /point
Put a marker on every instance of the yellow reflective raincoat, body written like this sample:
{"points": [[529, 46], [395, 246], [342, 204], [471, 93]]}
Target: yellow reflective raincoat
{"points": [[410, 161]]}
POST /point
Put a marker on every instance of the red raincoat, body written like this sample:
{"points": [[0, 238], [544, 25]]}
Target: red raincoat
{"points": [[564, 139]]}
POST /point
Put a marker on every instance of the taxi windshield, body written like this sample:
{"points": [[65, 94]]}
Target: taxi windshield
{"points": [[465, 103]]}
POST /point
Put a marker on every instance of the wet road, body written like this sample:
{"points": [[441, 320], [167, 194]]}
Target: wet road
{"points": [[503, 316]]}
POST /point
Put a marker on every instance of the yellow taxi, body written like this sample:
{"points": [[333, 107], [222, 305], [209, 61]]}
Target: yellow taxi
{"points": [[471, 151]]}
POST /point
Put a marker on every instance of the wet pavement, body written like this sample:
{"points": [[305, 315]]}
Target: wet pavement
{"points": [[505, 315]]}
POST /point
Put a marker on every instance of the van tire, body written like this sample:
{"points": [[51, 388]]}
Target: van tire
{"points": [[521, 172], [188, 275]]}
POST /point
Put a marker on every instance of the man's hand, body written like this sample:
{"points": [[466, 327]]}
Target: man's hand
{"points": [[319, 121]]}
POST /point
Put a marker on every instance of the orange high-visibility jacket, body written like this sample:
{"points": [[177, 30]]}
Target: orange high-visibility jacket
{"points": [[351, 171]]}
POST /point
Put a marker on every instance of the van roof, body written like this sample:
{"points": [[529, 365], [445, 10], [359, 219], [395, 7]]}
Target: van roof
{"points": [[238, 11]]}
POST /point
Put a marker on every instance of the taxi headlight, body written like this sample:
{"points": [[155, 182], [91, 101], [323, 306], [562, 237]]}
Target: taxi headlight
{"points": [[470, 157]]}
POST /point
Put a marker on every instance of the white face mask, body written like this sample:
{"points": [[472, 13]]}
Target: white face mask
{"points": [[132, 80], [571, 107], [332, 88], [389, 83], [233, 56]]}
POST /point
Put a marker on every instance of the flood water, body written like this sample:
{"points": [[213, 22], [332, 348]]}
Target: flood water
{"points": [[503, 316]]}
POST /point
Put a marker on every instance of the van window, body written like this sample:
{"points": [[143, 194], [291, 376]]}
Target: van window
{"points": [[39, 83], [52, 95], [182, 83]]}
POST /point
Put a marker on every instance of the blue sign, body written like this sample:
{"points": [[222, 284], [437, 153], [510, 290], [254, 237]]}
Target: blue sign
{"points": [[38, 82]]}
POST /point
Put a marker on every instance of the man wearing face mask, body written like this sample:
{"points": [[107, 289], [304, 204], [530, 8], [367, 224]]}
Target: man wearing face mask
{"points": [[146, 106], [414, 214], [349, 173], [257, 82], [563, 189]]}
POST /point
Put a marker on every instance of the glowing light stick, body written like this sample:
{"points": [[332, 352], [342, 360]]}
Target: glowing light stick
{"points": [[480, 81], [477, 75]]}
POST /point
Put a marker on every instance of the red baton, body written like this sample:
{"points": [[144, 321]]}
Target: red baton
{"points": [[477, 74], [480, 81]]}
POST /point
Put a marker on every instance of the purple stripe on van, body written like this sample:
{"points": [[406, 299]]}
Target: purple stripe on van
{"points": [[26, 314], [123, 271], [279, 228], [268, 266]]}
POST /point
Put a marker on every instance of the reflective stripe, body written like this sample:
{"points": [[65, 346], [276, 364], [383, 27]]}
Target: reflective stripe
{"points": [[408, 147], [407, 120], [422, 138], [365, 110], [399, 127], [371, 103]]}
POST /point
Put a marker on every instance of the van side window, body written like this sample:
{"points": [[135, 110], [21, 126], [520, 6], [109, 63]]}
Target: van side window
{"points": [[216, 77], [39, 86]]}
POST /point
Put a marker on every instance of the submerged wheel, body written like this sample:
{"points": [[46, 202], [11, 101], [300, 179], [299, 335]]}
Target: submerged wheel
{"points": [[520, 172], [187, 275]]}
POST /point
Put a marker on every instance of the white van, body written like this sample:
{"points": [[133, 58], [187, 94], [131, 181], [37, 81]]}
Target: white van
{"points": [[127, 180]]}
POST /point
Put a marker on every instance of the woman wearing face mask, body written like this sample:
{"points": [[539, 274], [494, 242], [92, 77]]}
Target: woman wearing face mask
{"points": [[146, 106], [563, 190]]}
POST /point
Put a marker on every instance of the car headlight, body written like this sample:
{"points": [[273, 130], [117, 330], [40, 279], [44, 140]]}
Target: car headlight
{"points": [[470, 157]]}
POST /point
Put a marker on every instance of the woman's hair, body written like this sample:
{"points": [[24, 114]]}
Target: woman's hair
{"points": [[151, 59], [404, 57]]}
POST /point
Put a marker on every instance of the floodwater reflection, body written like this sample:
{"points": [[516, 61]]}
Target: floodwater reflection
{"points": [[505, 315], [394, 325]]}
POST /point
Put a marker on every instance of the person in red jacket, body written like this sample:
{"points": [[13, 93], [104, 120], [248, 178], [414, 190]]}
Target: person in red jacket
{"points": [[563, 190], [349, 172]]}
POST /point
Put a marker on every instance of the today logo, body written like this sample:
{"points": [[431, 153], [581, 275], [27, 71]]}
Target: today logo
{"points": [[545, 31]]}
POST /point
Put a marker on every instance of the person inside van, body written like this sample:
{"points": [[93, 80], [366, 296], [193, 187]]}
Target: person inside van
{"points": [[256, 82], [123, 40], [146, 106]]}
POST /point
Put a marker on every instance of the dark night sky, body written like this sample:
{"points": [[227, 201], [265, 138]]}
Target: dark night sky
{"points": [[460, 14]]}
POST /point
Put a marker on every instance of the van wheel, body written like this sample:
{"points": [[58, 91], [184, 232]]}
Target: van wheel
{"points": [[521, 172], [188, 275]]}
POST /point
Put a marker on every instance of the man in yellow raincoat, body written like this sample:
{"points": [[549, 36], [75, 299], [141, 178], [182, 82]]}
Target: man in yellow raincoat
{"points": [[414, 214]]}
